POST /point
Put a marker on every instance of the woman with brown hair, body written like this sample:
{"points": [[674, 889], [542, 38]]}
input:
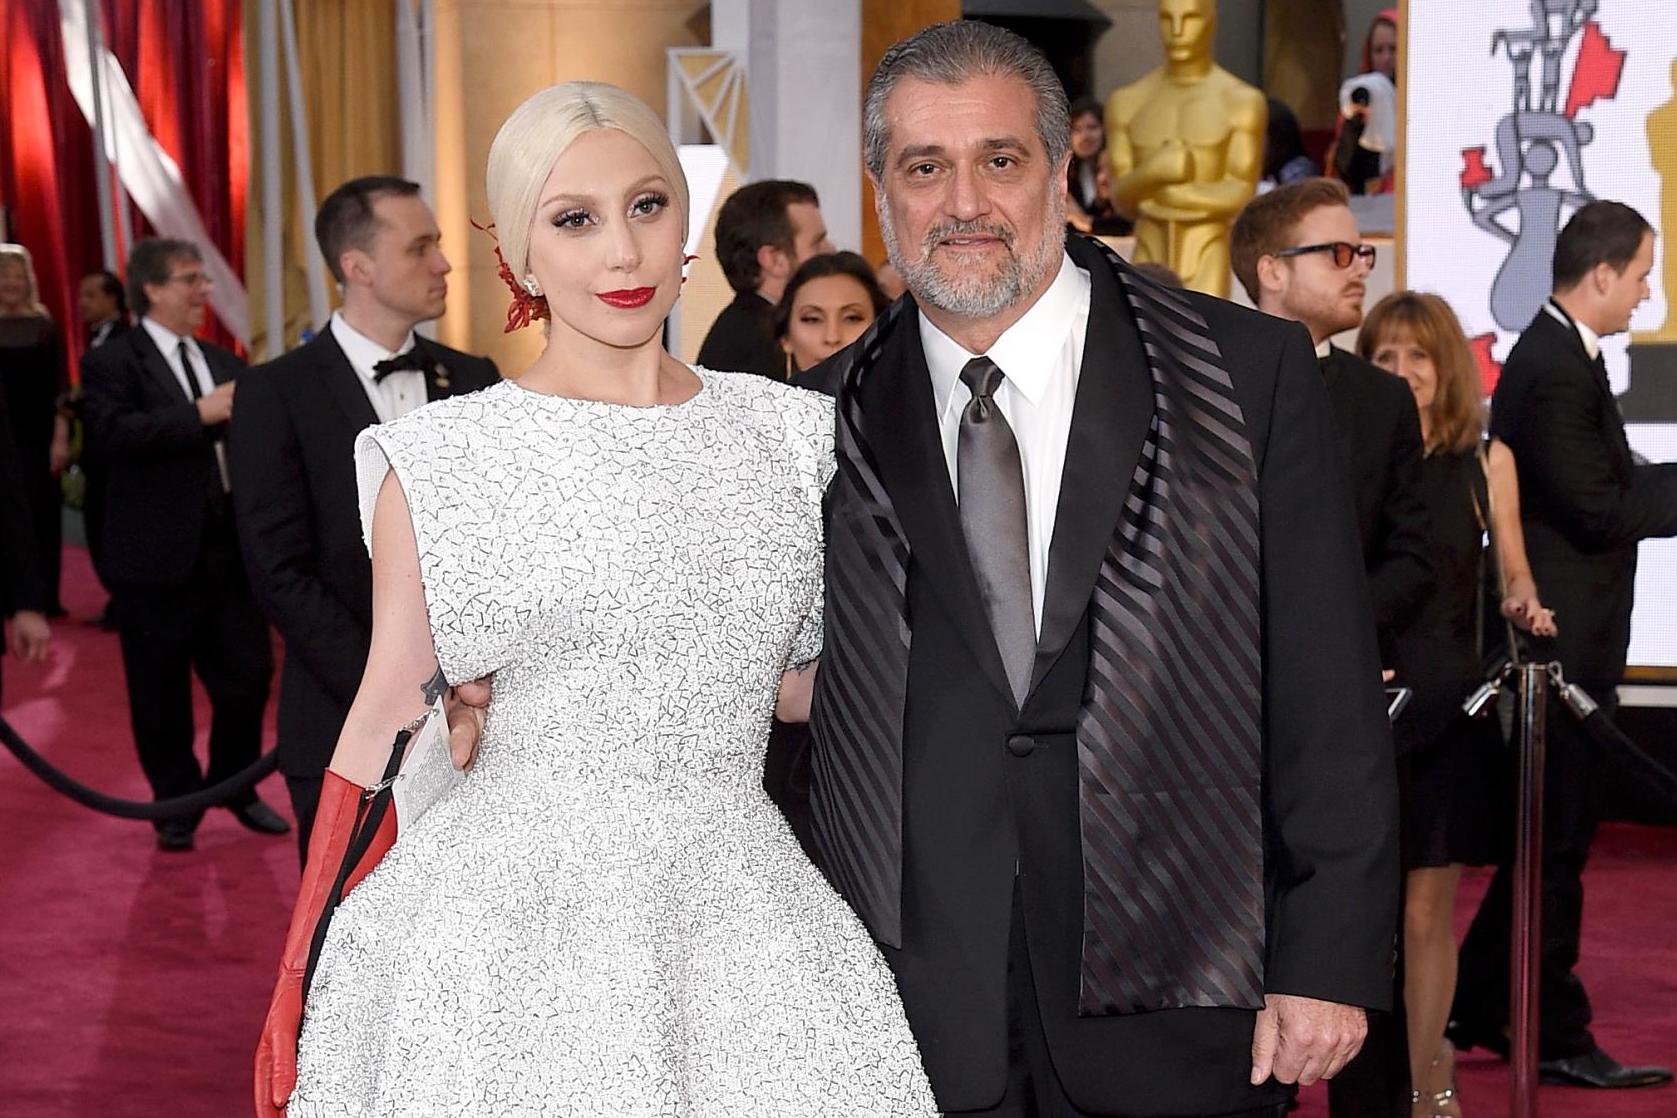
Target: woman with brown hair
{"points": [[1447, 761]]}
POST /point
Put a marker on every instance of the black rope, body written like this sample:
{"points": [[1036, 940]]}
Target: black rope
{"points": [[175, 808], [1647, 773]]}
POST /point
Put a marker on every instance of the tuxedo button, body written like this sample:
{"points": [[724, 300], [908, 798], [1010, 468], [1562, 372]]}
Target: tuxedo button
{"points": [[1021, 745]]}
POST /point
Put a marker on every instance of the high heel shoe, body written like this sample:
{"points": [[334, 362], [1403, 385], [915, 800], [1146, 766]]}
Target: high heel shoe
{"points": [[1445, 1101]]}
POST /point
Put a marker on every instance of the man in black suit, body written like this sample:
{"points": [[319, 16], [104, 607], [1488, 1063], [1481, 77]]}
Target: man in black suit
{"points": [[293, 441], [22, 595], [764, 231], [1584, 505], [1101, 757], [1299, 253], [156, 402], [102, 306]]}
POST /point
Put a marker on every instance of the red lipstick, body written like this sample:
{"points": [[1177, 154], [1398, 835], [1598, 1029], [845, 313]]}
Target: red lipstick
{"points": [[628, 298]]}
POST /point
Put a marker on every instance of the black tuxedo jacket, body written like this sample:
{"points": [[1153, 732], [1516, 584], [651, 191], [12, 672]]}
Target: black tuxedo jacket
{"points": [[1584, 501], [990, 794], [742, 339], [293, 443], [158, 457], [1381, 434]]}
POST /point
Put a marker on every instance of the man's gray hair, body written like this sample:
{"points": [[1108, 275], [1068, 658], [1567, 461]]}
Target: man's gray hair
{"points": [[954, 52]]}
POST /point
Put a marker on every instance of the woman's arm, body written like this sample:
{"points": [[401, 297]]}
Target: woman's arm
{"points": [[797, 689], [402, 658], [1520, 603]]}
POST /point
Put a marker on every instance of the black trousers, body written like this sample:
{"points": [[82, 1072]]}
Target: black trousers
{"points": [[1033, 1087], [1376, 1082], [1571, 813], [210, 624], [786, 772], [305, 800]]}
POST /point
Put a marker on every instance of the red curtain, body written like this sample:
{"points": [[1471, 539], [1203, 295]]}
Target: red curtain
{"points": [[46, 160], [185, 61]]}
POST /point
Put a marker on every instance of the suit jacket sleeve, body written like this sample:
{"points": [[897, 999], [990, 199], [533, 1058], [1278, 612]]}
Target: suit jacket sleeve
{"points": [[276, 531], [1564, 457], [1401, 578], [1330, 786], [119, 425]]}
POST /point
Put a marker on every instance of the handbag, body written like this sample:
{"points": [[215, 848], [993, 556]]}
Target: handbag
{"points": [[420, 772]]}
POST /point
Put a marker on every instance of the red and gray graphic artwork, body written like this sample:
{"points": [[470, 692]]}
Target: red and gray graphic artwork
{"points": [[1519, 201]]}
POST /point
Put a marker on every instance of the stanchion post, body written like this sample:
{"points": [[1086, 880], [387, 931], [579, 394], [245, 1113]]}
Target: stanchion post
{"points": [[1528, 893]]}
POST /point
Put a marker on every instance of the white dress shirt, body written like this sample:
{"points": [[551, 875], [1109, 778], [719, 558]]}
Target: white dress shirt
{"points": [[395, 396], [173, 346], [1041, 357], [1591, 340], [169, 344]]}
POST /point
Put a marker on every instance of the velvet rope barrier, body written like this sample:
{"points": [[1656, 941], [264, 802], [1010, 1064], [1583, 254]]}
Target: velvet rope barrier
{"points": [[178, 807]]}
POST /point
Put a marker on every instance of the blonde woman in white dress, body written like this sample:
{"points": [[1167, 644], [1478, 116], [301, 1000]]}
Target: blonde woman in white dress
{"points": [[608, 916]]}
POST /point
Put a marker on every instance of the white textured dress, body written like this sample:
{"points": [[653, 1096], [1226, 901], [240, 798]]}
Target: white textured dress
{"points": [[609, 917]]}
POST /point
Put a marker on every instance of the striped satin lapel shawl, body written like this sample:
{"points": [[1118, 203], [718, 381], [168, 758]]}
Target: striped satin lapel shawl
{"points": [[1169, 739], [857, 715]]}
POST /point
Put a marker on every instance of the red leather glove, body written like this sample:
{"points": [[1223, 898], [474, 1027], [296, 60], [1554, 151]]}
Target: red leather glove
{"points": [[335, 820]]}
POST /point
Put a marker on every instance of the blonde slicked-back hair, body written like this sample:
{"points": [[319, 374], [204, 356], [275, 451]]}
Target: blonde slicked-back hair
{"points": [[1458, 410], [538, 132]]}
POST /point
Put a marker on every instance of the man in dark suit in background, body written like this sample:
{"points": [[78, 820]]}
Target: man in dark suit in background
{"points": [[156, 402], [293, 439], [1299, 254], [102, 306], [1584, 505], [763, 232], [1097, 897]]}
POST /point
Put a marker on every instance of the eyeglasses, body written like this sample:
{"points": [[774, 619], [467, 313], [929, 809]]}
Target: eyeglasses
{"points": [[1343, 252]]}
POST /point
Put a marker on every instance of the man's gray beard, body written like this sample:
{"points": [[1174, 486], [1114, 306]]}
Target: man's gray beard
{"points": [[974, 296]]}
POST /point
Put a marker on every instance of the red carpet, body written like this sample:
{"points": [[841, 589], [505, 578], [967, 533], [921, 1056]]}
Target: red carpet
{"points": [[132, 983]]}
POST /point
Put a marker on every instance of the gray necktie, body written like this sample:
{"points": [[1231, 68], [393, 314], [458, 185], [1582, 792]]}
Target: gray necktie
{"points": [[991, 487]]}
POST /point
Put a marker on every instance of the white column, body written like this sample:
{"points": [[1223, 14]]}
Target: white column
{"points": [[804, 71], [273, 220]]}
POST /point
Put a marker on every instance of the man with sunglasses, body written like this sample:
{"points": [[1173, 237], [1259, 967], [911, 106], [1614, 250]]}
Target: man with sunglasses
{"points": [[156, 401], [1299, 253]]}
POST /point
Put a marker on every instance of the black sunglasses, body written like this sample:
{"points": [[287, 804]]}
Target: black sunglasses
{"points": [[1343, 252]]}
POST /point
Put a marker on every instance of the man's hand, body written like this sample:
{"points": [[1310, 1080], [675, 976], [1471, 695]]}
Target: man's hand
{"points": [[217, 407], [58, 455], [29, 636], [1300, 1040], [466, 705]]}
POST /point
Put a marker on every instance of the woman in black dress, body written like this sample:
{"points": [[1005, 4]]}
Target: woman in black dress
{"points": [[32, 377], [1450, 816]]}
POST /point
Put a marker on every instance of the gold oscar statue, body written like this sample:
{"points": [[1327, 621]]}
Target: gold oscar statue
{"points": [[1662, 151], [1187, 145], [1651, 396]]}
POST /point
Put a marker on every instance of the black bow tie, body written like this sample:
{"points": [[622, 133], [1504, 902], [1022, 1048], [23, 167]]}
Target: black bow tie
{"points": [[410, 362]]}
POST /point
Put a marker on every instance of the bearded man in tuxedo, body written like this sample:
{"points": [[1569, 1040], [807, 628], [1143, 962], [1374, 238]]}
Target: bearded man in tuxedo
{"points": [[1100, 752], [293, 439]]}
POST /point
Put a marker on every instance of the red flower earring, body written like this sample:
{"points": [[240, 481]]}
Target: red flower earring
{"points": [[525, 307]]}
